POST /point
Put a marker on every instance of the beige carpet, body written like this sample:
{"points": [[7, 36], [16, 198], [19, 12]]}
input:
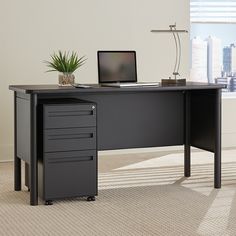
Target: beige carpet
{"points": [[139, 194]]}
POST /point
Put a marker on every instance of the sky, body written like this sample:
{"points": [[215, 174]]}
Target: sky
{"points": [[226, 32]]}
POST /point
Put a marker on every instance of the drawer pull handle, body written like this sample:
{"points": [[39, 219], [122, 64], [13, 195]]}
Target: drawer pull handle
{"points": [[70, 159], [69, 113], [69, 136]]}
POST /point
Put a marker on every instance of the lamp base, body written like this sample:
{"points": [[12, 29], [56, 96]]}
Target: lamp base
{"points": [[169, 82]]}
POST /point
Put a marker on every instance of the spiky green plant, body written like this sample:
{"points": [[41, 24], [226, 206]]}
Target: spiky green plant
{"points": [[65, 62]]}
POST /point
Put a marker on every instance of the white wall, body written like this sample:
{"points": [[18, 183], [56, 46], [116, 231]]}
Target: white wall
{"points": [[31, 30], [228, 122]]}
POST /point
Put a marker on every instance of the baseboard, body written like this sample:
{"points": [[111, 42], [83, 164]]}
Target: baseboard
{"points": [[6, 152], [228, 141], [142, 150]]}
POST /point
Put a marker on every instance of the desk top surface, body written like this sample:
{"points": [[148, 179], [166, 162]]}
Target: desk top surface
{"points": [[52, 88]]}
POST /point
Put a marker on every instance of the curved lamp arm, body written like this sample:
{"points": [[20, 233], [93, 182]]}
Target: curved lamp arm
{"points": [[177, 54], [175, 33]]}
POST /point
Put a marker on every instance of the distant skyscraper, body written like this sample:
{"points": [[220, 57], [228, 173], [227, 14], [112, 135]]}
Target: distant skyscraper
{"points": [[233, 58], [214, 58], [199, 60], [229, 60]]}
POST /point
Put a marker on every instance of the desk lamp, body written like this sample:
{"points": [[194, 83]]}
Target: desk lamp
{"points": [[172, 29]]}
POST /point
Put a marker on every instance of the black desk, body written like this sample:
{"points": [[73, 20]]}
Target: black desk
{"points": [[127, 118]]}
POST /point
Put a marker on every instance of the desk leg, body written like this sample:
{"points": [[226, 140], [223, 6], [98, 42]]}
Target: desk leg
{"points": [[17, 160], [33, 146], [217, 154], [187, 147], [27, 177], [17, 173], [187, 161]]}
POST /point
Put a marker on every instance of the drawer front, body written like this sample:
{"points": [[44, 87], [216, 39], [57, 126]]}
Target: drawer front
{"points": [[66, 116], [70, 174], [56, 140]]}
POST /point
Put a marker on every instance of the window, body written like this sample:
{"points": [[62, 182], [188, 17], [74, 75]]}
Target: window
{"points": [[213, 42]]}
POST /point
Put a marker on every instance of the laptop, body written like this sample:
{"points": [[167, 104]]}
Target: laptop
{"points": [[119, 69]]}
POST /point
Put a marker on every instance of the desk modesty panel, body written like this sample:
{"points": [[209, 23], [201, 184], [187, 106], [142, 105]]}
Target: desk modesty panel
{"points": [[128, 118]]}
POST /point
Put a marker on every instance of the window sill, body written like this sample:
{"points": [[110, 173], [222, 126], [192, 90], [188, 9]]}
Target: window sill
{"points": [[229, 95]]}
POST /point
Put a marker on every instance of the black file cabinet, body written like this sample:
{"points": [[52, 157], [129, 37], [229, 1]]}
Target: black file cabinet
{"points": [[67, 166]]}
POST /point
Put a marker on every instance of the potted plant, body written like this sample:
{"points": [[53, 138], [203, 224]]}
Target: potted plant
{"points": [[66, 64]]}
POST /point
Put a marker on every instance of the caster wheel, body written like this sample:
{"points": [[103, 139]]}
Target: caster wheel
{"points": [[91, 199], [48, 203]]}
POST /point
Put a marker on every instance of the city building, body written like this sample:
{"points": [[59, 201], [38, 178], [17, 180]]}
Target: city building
{"points": [[229, 60], [214, 58], [226, 81], [199, 60], [232, 84]]}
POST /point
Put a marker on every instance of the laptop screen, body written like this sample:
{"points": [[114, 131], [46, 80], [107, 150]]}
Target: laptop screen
{"points": [[116, 66]]}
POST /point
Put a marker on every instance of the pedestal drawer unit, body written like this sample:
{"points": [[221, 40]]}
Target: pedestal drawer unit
{"points": [[68, 162]]}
